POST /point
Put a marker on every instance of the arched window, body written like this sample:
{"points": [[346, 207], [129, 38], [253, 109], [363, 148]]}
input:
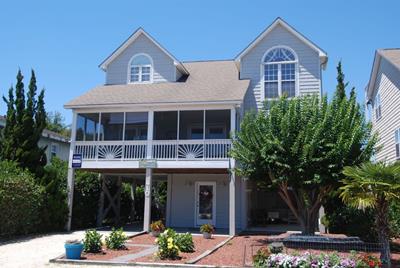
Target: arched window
{"points": [[279, 72], [141, 69]]}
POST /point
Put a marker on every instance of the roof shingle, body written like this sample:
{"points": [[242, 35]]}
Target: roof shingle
{"points": [[209, 81]]}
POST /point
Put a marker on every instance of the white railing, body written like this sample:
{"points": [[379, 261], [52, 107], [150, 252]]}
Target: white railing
{"points": [[160, 149]]}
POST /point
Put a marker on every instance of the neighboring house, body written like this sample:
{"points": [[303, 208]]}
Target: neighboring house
{"points": [[383, 96], [179, 116], [57, 145]]}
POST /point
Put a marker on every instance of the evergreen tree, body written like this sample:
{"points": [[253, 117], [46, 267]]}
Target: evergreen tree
{"points": [[341, 85], [26, 119]]}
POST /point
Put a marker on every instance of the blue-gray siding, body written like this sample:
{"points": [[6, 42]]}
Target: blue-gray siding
{"points": [[182, 202], [164, 68], [387, 83], [309, 65]]}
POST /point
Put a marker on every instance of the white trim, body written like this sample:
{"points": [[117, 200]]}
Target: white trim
{"points": [[169, 201], [197, 221], [155, 104], [130, 40], [296, 68], [322, 54], [140, 66]]}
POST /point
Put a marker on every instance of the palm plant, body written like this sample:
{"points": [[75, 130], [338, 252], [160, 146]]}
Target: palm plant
{"points": [[374, 185]]}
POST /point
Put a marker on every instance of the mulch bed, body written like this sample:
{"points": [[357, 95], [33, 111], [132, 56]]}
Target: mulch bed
{"points": [[239, 251], [201, 245], [145, 239]]}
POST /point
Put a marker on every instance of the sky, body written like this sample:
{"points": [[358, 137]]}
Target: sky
{"points": [[65, 41]]}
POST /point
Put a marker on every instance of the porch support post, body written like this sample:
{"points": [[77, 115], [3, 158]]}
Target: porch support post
{"points": [[147, 200], [100, 216], [71, 172], [70, 186], [150, 125], [232, 181], [321, 226]]}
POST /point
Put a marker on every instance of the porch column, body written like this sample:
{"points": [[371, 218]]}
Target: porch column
{"points": [[232, 182], [150, 125], [321, 226], [70, 187], [71, 172], [147, 200]]}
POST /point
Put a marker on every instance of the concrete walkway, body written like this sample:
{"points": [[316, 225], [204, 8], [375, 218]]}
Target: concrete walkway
{"points": [[36, 251]]}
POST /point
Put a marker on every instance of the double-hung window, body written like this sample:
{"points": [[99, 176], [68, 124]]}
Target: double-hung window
{"points": [[279, 73], [377, 106], [397, 142], [140, 69]]}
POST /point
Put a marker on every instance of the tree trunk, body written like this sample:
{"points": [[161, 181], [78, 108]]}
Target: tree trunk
{"points": [[382, 223], [306, 215]]}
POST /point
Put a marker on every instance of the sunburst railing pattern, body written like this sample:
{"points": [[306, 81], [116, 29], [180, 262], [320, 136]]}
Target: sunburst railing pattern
{"points": [[160, 149]]}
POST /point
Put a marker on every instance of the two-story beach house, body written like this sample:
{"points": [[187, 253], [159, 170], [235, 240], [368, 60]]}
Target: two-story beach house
{"points": [[157, 118], [383, 96]]}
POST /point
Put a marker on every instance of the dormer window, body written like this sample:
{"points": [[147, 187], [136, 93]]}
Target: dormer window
{"points": [[141, 69], [279, 75]]}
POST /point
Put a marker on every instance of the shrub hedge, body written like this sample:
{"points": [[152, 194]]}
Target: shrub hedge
{"points": [[20, 201]]}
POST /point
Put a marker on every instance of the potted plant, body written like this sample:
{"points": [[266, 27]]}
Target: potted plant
{"points": [[207, 230], [156, 228], [73, 249]]}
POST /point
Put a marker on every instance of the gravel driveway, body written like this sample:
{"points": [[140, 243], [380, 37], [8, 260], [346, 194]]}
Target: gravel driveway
{"points": [[36, 251]]}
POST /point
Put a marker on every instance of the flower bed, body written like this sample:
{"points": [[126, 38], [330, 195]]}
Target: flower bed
{"points": [[109, 254], [200, 246]]}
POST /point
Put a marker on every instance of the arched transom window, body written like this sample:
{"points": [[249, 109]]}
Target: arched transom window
{"points": [[141, 69], [279, 69]]}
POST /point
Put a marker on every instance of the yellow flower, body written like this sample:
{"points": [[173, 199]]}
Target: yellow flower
{"points": [[170, 246], [170, 239], [156, 240]]}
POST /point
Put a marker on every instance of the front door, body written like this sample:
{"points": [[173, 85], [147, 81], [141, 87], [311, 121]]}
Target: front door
{"points": [[205, 203]]}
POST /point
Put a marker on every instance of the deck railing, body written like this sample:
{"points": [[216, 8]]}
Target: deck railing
{"points": [[208, 149]]}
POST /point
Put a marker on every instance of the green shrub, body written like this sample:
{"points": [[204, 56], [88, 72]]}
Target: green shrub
{"points": [[167, 245], [185, 242], [207, 228], [261, 257], [20, 201], [92, 241], [157, 226], [54, 211], [116, 239], [86, 199]]}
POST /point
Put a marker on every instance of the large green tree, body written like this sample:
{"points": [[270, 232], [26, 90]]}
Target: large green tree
{"points": [[374, 186], [299, 146], [25, 121]]}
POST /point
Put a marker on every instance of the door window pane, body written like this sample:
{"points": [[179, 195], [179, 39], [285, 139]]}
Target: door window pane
{"points": [[165, 125], [206, 202], [111, 127], [191, 125], [218, 124], [87, 126], [136, 126]]}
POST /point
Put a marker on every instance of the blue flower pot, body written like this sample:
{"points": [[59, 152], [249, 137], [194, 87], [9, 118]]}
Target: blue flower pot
{"points": [[73, 251]]}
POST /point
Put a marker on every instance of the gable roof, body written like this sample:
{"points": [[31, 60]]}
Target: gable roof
{"points": [[280, 22], [209, 82], [130, 40], [392, 55]]}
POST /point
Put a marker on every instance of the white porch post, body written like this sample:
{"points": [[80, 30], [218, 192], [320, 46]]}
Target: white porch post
{"points": [[150, 124], [232, 182], [147, 200], [71, 172]]}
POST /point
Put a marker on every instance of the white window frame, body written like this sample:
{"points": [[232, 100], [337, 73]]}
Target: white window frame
{"points": [[378, 106], [397, 143], [55, 145], [296, 72], [130, 66]]}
